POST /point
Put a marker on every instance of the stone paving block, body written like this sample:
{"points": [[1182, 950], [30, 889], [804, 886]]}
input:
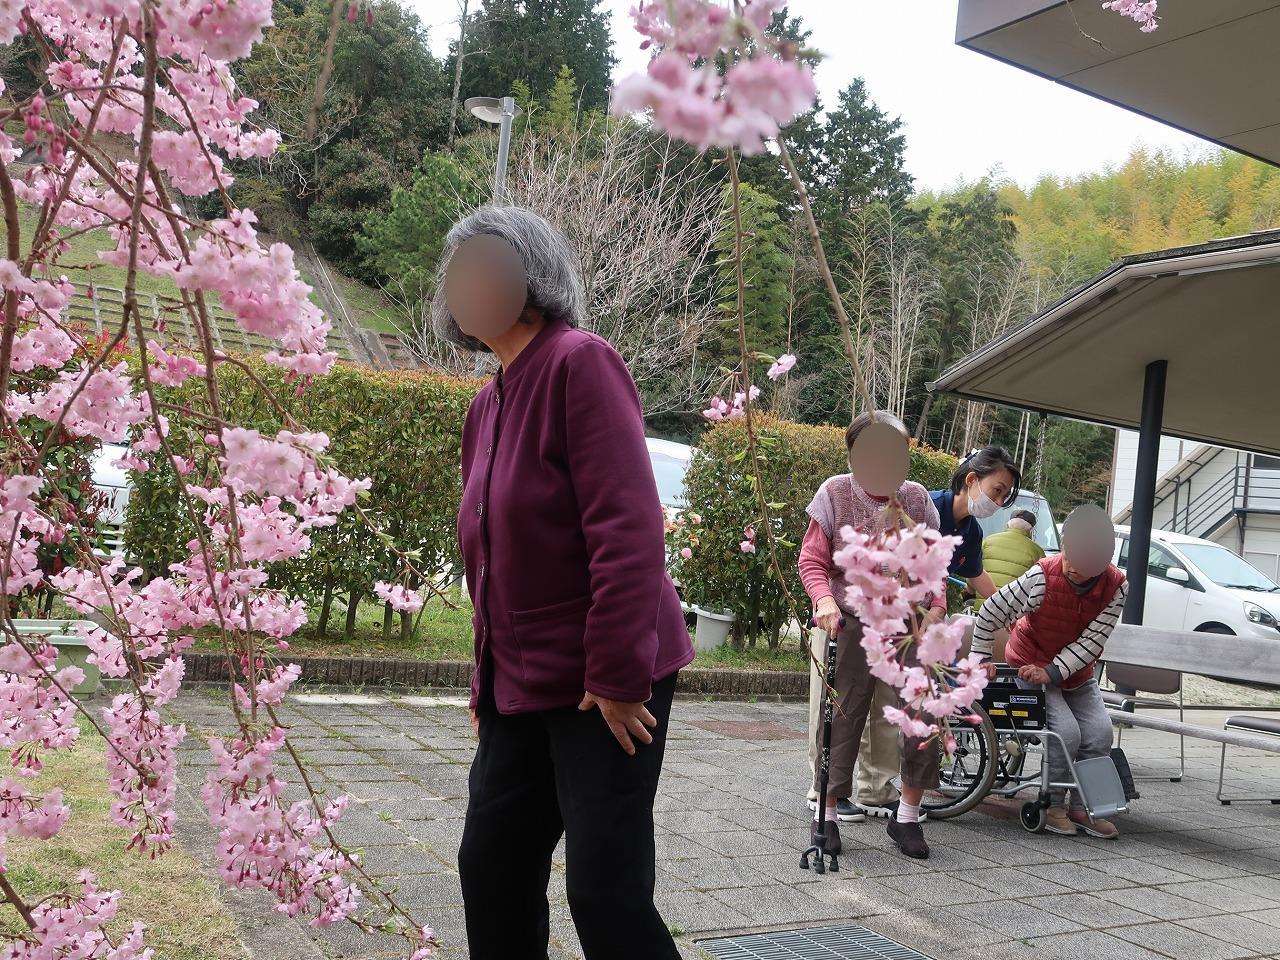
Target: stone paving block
{"points": [[1138, 871], [699, 912], [1006, 851], [1090, 910], [717, 873], [1180, 943], [1076, 875], [1160, 903], [937, 889], [1212, 893], [1085, 945], [1003, 883], [777, 904], [1015, 920], [1198, 867], [1271, 916], [1240, 930], [737, 842]]}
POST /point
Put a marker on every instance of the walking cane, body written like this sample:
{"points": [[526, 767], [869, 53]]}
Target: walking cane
{"points": [[819, 848]]}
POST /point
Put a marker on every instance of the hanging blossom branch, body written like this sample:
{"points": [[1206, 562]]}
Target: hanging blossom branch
{"points": [[157, 72], [1141, 11], [894, 572]]}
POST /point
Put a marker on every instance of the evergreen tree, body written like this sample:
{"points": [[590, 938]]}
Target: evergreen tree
{"points": [[561, 112], [854, 156], [531, 40], [766, 268], [403, 245]]}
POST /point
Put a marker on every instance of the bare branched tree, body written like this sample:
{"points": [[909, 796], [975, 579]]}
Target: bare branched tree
{"points": [[642, 218], [891, 289]]}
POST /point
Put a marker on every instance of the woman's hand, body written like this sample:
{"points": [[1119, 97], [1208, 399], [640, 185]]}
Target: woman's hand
{"points": [[828, 616], [990, 668], [475, 720], [935, 615], [1033, 674], [626, 720]]}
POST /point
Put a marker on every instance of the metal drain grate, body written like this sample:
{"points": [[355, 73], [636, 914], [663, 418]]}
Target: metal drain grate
{"points": [[817, 943]]}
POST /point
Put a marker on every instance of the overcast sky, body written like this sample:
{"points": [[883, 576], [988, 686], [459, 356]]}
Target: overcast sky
{"points": [[963, 114]]}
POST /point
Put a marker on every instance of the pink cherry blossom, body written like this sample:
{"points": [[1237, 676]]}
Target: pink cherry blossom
{"points": [[1141, 11], [782, 366], [765, 88], [399, 597], [686, 552]]}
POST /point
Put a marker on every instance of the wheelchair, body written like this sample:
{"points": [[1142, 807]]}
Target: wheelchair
{"points": [[1001, 751]]}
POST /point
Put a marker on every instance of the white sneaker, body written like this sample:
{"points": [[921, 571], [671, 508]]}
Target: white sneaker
{"points": [[812, 797]]}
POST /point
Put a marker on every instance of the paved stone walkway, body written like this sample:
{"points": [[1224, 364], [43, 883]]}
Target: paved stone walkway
{"points": [[1189, 879]]}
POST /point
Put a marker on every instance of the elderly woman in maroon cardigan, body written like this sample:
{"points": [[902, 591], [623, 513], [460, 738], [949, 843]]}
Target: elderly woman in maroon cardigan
{"points": [[578, 629]]}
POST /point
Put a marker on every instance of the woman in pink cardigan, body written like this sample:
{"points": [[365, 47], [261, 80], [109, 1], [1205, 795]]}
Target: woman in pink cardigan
{"points": [[841, 502]]}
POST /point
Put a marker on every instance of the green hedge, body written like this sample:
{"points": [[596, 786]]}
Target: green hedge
{"points": [[401, 429], [795, 460]]}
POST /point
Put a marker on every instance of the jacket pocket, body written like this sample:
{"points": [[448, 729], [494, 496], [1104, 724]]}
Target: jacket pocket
{"points": [[550, 643]]}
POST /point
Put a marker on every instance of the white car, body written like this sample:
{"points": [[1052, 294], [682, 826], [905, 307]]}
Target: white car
{"points": [[1198, 585], [670, 463], [1046, 528]]}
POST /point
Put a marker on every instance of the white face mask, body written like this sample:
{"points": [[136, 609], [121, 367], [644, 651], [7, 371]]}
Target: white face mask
{"points": [[980, 505]]}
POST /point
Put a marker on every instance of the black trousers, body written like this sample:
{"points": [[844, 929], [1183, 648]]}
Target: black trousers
{"points": [[535, 777]]}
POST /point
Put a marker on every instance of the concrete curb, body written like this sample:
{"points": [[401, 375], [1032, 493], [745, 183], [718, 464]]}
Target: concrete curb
{"points": [[717, 684]]}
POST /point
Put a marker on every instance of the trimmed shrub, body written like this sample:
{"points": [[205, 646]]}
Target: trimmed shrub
{"points": [[401, 429], [795, 459]]}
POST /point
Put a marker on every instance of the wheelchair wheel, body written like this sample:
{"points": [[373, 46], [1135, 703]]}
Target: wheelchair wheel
{"points": [[1033, 815], [967, 775]]}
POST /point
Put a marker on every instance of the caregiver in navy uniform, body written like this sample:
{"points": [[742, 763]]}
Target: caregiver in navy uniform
{"points": [[578, 630], [981, 485]]}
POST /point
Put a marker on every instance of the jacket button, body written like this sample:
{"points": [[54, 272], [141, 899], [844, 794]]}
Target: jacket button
{"points": [[479, 509], [482, 569], [488, 452]]}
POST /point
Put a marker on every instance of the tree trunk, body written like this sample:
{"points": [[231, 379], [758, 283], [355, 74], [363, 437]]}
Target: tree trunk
{"points": [[353, 604], [326, 607], [457, 72], [407, 622], [923, 423], [388, 619]]}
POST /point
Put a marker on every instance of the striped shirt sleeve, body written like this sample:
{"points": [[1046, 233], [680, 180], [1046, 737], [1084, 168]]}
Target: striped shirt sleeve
{"points": [[1004, 607], [1076, 656]]}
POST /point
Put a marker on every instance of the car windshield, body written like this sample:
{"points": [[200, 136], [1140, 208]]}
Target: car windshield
{"points": [[1045, 532], [669, 472], [1226, 569]]}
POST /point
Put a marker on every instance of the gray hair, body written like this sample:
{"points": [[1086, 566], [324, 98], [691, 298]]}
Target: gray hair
{"points": [[555, 286]]}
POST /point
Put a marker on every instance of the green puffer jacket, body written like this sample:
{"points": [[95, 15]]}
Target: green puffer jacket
{"points": [[1009, 554]]}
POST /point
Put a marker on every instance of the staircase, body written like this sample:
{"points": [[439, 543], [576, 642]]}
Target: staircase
{"points": [[1208, 490], [101, 307]]}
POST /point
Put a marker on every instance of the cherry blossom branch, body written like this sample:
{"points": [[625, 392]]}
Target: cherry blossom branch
{"points": [[748, 420]]}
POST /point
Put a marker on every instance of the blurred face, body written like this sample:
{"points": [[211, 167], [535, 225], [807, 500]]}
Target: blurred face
{"points": [[1072, 574], [486, 287], [1088, 539]]}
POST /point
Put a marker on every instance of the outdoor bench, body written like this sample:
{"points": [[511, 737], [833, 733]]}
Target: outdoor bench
{"points": [[1250, 659]]}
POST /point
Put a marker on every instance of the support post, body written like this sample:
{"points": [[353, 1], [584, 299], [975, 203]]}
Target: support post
{"points": [[1144, 488]]}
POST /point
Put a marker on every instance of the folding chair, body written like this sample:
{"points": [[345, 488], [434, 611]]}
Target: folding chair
{"points": [[1147, 680]]}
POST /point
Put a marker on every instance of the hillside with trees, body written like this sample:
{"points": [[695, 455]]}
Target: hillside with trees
{"points": [[375, 170]]}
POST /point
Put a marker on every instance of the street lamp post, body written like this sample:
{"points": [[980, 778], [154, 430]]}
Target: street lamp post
{"points": [[502, 112]]}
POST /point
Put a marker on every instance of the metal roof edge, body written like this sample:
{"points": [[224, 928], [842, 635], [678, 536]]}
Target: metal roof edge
{"points": [[1220, 254]]}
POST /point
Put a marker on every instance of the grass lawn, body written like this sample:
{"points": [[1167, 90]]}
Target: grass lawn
{"points": [[445, 634], [185, 920]]}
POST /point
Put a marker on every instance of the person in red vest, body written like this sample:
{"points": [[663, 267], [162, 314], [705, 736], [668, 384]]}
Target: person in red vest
{"points": [[1060, 614]]}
